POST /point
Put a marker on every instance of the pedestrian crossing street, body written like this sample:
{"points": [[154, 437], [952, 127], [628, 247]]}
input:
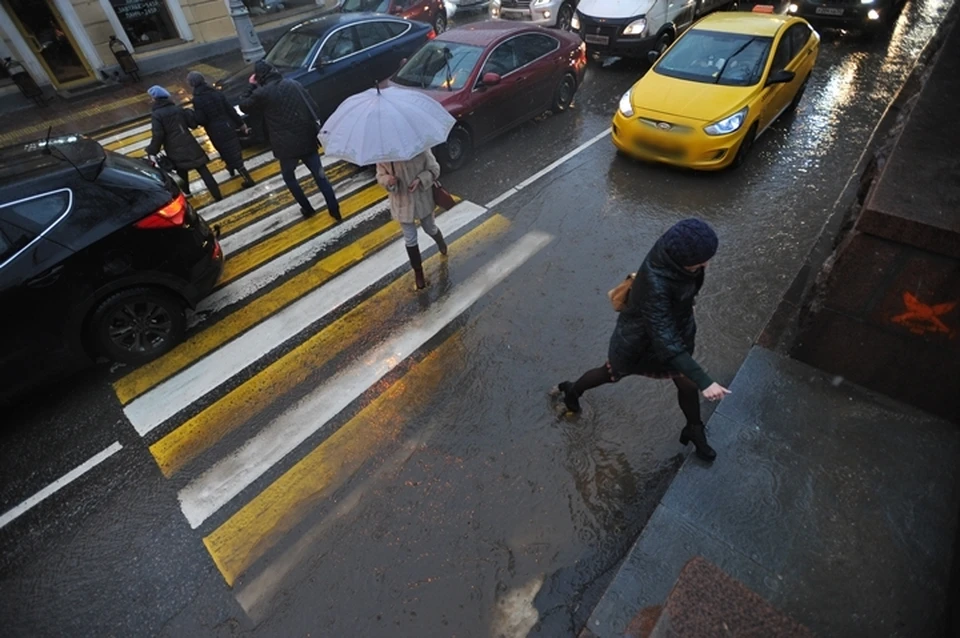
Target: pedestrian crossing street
{"points": [[311, 354]]}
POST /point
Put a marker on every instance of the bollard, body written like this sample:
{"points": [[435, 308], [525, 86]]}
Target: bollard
{"points": [[24, 81], [124, 58]]}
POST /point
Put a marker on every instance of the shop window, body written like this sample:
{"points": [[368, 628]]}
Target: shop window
{"points": [[145, 22], [265, 10]]}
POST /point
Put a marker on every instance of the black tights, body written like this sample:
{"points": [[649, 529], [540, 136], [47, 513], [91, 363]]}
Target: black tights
{"points": [[207, 178], [688, 395]]}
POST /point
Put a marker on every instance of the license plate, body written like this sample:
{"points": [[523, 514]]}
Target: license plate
{"points": [[512, 16], [670, 152], [596, 39], [829, 11]]}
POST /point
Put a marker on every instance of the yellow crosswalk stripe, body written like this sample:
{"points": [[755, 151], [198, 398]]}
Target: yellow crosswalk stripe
{"points": [[147, 376], [366, 321], [280, 199], [245, 261], [248, 534], [127, 141]]}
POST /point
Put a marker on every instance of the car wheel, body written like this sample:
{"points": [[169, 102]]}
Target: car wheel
{"points": [[137, 325], [456, 151], [796, 98], [663, 43], [565, 17], [440, 24], [745, 146], [563, 97]]}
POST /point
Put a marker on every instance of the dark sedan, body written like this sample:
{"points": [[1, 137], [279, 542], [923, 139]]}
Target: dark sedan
{"points": [[100, 255], [870, 16], [433, 12], [336, 56], [493, 76]]}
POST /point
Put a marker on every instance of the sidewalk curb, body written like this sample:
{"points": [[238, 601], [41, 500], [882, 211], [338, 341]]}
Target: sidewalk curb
{"points": [[785, 322]]}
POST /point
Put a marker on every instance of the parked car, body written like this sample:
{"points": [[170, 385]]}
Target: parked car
{"points": [[546, 13], [432, 12], [99, 256], [493, 76], [334, 57], [871, 16], [710, 96], [634, 27]]}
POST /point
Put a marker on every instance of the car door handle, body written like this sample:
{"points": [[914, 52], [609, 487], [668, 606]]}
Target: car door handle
{"points": [[47, 278]]}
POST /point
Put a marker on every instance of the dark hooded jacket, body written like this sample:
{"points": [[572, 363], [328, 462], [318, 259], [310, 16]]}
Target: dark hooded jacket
{"points": [[655, 333], [220, 121], [171, 132], [288, 112]]}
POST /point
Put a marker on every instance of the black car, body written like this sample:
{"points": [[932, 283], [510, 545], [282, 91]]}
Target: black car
{"points": [[871, 16], [336, 56], [99, 256]]}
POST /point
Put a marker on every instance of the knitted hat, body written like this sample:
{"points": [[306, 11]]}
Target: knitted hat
{"points": [[195, 79], [158, 92], [690, 242]]}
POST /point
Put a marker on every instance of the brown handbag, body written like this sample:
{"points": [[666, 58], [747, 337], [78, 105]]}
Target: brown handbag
{"points": [[620, 295], [442, 197]]}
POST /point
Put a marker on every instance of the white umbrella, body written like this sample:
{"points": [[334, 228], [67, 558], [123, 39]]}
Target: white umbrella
{"points": [[385, 125]]}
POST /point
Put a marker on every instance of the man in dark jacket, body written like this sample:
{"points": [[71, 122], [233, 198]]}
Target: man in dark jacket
{"points": [[655, 333], [289, 114], [171, 131], [221, 122]]}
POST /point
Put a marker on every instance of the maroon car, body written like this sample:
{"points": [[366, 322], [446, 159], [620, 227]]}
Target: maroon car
{"points": [[492, 76], [433, 12]]}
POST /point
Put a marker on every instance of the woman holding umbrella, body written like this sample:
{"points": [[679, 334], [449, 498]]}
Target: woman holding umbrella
{"points": [[410, 188], [396, 129]]}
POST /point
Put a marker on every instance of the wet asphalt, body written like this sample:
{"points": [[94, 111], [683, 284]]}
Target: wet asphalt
{"points": [[503, 518]]}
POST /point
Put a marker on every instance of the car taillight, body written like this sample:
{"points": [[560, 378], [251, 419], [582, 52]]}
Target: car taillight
{"points": [[170, 216], [431, 35]]}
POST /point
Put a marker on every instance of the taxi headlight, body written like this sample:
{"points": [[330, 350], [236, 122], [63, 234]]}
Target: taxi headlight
{"points": [[728, 124], [575, 22], [626, 108]]}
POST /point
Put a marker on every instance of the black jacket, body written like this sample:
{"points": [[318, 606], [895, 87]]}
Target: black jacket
{"points": [[171, 132], [286, 110], [657, 330], [220, 121]]}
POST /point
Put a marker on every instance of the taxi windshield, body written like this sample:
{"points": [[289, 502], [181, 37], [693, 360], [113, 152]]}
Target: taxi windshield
{"points": [[712, 57]]}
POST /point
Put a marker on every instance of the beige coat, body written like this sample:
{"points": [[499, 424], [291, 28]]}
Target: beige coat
{"points": [[404, 205]]}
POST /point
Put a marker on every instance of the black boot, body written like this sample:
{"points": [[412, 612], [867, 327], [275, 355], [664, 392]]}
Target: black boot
{"points": [[441, 243], [570, 398], [231, 172], [695, 433], [247, 180], [416, 262]]}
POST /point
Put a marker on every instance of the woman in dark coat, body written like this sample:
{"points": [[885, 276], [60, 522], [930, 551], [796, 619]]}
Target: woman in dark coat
{"points": [[221, 122], [171, 132], [655, 333]]}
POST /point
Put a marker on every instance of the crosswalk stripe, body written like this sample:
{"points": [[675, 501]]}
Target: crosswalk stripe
{"points": [[277, 197], [128, 140], [250, 398], [159, 403], [281, 218], [255, 528], [254, 281], [113, 135], [261, 252], [213, 489]]}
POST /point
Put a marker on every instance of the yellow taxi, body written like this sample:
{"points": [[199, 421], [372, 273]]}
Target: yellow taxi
{"points": [[709, 96]]}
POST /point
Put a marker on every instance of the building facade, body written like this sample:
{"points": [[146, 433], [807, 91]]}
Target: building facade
{"points": [[65, 45]]}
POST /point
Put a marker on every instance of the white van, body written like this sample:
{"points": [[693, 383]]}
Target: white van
{"points": [[632, 28]]}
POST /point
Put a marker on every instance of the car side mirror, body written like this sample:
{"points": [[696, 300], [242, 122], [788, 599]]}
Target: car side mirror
{"points": [[490, 79], [781, 77], [403, 63], [653, 56]]}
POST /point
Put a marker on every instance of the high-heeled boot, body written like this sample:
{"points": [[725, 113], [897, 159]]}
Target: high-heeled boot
{"points": [[247, 180], [416, 262], [695, 433], [441, 242]]}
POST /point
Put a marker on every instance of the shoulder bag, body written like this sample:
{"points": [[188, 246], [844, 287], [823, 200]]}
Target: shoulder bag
{"points": [[620, 295]]}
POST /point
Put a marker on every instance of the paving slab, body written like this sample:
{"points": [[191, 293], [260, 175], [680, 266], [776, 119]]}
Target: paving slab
{"points": [[836, 505]]}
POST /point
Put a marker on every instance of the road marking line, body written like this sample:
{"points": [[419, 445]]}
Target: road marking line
{"points": [[128, 140], [213, 489], [254, 281], [363, 324], [275, 245], [550, 167], [157, 402], [116, 135], [258, 525], [61, 482], [282, 218]]}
